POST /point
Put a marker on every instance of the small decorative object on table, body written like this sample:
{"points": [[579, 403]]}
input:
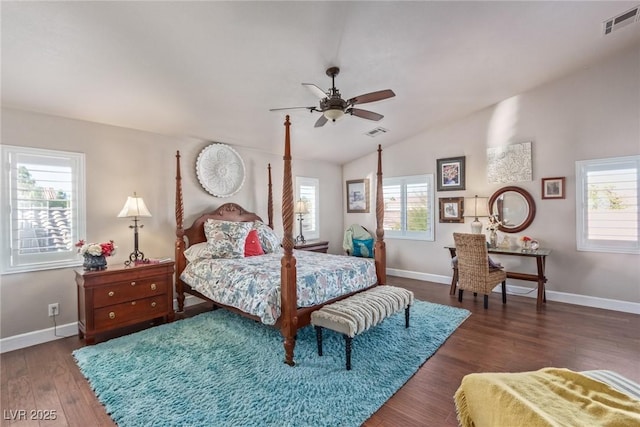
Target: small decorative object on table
{"points": [[534, 245], [526, 243], [494, 224], [94, 254]]}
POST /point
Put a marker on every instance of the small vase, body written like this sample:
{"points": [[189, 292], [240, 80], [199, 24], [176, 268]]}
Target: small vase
{"points": [[526, 246], [94, 262], [493, 239]]}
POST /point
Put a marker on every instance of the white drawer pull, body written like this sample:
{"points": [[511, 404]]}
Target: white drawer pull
{"points": [[112, 315], [133, 283], [153, 286], [111, 293], [153, 304]]}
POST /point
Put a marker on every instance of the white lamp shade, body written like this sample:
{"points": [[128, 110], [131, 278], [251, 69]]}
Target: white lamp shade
{"points": [[134, 207], [300, 207], [476, 207]]}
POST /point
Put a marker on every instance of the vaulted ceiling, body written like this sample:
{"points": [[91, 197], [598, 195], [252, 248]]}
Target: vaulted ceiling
{"points": [[212, 70]]}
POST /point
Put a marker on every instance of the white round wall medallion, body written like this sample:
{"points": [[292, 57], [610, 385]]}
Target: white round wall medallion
{"points": [[220, 170]]}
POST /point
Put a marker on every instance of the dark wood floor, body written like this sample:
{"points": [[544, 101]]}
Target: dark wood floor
{"points": [[503, 338]]}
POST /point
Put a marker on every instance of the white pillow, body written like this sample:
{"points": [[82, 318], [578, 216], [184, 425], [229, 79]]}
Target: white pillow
{"points": [[197, 251]]}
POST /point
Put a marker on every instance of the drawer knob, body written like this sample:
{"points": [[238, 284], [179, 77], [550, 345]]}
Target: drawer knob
{"points": [[153, 304], [112, 315], [111, 293], [153, 286], [133, 283], [133, 303]]}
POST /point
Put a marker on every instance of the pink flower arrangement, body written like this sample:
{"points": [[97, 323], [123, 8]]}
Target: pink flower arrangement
{"points": [[96, 249], [525, 239]]}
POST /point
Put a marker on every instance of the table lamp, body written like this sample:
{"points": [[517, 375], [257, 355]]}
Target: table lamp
{"points": [[476, 207], [301, 209], [134, 208]]}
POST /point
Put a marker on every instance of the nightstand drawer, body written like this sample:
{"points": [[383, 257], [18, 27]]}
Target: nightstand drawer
{"points": [[130, 312], [129, 290]]}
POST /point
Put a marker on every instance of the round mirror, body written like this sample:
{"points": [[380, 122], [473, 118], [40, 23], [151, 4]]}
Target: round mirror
{"points": [[514, 207]]}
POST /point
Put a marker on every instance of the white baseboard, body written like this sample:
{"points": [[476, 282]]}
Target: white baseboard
{"points": [[584, 300], [38, 337], [29, 339]]}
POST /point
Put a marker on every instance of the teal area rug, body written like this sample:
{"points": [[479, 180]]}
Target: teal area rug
{"points": [[220, 369]]}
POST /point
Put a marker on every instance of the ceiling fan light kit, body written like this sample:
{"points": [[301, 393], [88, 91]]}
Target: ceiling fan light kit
{"points": [[333, 114], [333, 107]]}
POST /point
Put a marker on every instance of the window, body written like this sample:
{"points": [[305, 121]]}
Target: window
{"points": [[607, 215], [307, 190], [43, 213], [408, 207]]}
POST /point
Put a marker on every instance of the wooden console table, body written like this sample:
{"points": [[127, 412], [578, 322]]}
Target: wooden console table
{"points": [[540, 255]]}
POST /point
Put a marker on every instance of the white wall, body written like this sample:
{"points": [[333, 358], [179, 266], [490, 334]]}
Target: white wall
{"points": [[594, 113], [118, 162]]}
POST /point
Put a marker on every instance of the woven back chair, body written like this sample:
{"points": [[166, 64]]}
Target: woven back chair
{"points": [[474, 273]]}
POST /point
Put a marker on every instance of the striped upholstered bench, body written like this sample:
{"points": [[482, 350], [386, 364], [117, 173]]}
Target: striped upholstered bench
{"points": [[356, 314]]}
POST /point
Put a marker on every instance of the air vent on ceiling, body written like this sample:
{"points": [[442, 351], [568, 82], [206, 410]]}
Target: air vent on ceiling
{"points": [[377, 131], [622, 20]]}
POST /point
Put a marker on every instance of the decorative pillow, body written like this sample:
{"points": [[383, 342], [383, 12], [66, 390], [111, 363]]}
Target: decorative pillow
{"points": [[363, 248], [226, 239], [197, 251], [269, 240], [252, 245]]}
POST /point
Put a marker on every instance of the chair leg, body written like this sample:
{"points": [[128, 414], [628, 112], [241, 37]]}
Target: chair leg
{"points": [[459, 295], [486, 301], [504, 292]]}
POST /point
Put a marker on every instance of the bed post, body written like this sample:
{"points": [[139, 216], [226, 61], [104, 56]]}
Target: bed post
{"points": [[289, 297], [179, 253], [270, 199], [380, 247]]}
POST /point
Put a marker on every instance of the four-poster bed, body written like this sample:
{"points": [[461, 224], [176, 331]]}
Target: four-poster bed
{"points": [[292, 310]]}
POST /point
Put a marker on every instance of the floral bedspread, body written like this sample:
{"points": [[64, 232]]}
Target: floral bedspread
{"points": [[252, 284]]}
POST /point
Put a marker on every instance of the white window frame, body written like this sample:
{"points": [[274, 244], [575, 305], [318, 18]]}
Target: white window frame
{"points": [[583, 242], [403, 233], [311, 221], [11, 260]]}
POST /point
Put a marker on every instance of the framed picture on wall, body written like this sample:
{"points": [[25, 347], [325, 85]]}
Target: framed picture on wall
{"points": [[452, 209], [450, 174], [358, 196], [553, 188]]}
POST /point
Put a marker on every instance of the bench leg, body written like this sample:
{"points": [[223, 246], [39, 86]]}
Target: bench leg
{"points": [[347, 346], [406, 316], [319, 339]]}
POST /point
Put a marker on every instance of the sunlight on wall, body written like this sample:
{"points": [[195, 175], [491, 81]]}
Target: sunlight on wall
{"points": [[504, 122]]}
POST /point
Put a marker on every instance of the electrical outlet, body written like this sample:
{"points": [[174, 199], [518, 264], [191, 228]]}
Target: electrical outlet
{"points": [[54, 309]]}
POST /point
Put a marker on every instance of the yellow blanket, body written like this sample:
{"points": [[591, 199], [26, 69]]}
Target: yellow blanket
{"points": [[548, 397]]}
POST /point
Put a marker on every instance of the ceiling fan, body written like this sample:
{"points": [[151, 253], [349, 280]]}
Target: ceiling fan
{"points": [[333, 107]]}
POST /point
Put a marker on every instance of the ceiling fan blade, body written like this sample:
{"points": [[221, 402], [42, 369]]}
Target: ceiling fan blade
{"points": [[365, 114], [316, 90], [294, 108], [371, 97], [321, 121]]}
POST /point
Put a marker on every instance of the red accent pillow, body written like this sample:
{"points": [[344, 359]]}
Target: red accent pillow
{"points": [[252, 244]]}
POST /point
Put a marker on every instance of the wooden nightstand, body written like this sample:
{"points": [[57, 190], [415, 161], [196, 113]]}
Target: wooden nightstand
{"points": [[121, 296], [315, 246]]}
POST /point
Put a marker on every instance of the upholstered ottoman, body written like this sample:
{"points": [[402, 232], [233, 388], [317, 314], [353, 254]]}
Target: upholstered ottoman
{"points": [[356, 314]]}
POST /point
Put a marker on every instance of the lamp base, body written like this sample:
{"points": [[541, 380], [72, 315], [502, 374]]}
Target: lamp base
{"points": [[476, 227]]}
